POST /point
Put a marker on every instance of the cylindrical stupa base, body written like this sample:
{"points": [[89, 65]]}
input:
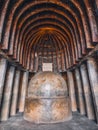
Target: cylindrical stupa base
{"points": [[47, 110]]}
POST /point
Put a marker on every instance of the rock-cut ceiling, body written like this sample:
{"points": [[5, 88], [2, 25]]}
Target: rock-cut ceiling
{"points": [[57, 31]]}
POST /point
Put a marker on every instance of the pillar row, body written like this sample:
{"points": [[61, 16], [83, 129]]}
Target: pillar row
{"points": [[87, 92], [15, 93], [3, 67], [93, 76], [7, 93], [80, 92], [23, 87], [72, 91]]}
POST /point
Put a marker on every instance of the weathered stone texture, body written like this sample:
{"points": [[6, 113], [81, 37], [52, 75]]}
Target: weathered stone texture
{"points": [[47, 100], [87, 92], [7, 94]]}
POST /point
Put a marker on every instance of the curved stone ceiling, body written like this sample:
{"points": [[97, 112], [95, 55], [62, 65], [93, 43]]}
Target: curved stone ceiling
{"points": [[57, 31]]}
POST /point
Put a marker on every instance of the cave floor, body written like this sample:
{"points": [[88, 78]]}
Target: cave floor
{"points": [[77, 123]]}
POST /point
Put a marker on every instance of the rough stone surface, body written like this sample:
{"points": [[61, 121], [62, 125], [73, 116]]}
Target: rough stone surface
{"points": [[47, 85], [47, 100], [7, 94], [87, 92], [71, 86], [77, 123], [93, 76]]}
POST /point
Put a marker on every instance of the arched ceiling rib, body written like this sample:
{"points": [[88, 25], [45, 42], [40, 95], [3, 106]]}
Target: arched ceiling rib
{"points": [[34, 30]]}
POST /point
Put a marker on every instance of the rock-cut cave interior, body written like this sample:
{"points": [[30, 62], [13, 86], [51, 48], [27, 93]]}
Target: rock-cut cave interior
{"points": [[49, 64]]}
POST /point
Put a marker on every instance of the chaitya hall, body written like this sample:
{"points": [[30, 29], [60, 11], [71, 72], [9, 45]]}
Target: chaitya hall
{"points": [[49, 64]]}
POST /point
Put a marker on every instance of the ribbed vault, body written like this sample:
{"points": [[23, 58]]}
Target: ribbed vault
{"points": [[36, 31]]}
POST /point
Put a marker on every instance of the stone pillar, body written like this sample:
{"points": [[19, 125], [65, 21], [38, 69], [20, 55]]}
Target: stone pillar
{"points": [[65, 77], [24, 86], [80, 92], [93, 76], [87, 92], [72, 91], [3, 66], [7, 93], [97, 3], [15, 93]]}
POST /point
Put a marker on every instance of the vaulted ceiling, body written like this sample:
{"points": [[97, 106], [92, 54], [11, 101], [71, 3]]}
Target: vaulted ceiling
{"points": [[57, 31]]}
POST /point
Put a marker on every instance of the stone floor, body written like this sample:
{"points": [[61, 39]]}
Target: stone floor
{"points": [[77, 123]]}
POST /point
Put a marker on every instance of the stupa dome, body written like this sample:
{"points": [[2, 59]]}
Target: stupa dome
{"points": [[47, 85]]}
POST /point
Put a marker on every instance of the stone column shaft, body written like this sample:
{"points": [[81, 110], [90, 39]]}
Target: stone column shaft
{"points": [[15, 93], [7, 93], [23, 91], [72, 91], [97, 3], [87, 92], [93, 76], [3, 66], [80, 92]]}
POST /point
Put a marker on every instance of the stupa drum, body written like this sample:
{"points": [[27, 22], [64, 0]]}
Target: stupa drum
{"points": [[47, 99]]}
